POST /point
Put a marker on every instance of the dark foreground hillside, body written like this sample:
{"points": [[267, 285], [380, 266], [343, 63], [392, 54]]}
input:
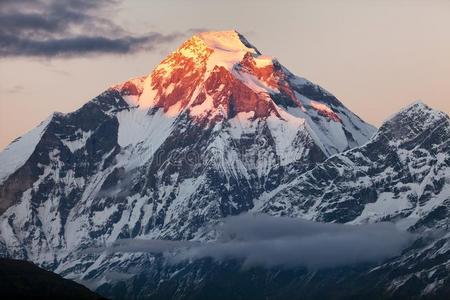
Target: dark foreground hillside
{"points": [[23, 280]]}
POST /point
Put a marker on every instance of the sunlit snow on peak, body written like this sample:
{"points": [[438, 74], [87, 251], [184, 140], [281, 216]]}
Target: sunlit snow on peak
{"points": [[230, 41]]}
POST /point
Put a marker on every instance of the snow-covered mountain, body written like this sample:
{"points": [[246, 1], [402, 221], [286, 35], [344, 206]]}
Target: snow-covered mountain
{"points": [[216, 129], [401, 175], [212, 127]]}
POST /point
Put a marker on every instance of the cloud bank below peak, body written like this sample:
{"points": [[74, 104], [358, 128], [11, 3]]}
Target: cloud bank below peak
{"points": [[261, 240]]}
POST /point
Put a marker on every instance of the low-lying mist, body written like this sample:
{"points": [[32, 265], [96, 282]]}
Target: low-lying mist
{"points": [[261, 240]]}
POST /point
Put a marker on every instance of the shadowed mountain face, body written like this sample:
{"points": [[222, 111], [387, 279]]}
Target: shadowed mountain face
{"points": [[401, 175], [212, 280], [23, 280], [216, 130]]}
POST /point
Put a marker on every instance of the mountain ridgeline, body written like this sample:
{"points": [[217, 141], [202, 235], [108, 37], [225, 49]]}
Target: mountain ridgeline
{"points": [[216, 130]]}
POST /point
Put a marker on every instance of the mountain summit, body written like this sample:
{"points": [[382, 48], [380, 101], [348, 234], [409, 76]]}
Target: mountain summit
{"points": [[216, 76]]}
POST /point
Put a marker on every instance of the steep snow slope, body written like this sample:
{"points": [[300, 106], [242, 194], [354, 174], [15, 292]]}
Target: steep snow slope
{"points": [[15, 154]]}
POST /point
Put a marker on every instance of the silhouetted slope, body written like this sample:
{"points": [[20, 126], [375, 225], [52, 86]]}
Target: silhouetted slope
{"points": [[23, 280]]}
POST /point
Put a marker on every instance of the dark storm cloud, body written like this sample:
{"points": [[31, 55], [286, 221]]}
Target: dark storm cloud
{"points": [[65, 28], [260, 240], [80, 45]]}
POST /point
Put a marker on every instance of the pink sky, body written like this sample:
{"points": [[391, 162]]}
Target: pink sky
{"points": [[375, 56]]}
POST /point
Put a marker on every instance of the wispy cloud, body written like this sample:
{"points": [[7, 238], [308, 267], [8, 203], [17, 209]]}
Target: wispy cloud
{"points": [[68, 28], [276, 241], [14, 90]]}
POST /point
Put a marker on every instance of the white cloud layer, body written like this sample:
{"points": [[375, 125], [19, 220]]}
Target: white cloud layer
{"points": [[261, 240]]}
